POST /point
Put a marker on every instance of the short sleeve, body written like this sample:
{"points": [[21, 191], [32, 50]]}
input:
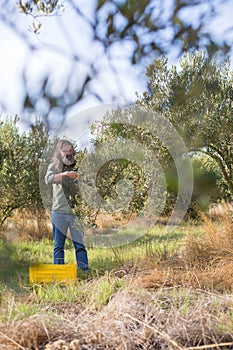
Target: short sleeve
{"points": [[49, 177]]}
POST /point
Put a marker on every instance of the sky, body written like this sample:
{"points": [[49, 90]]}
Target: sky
{"points": [[66, 36], [17, 55]]}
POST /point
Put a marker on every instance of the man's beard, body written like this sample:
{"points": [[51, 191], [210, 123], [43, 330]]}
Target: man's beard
{"points": [[68, 160]]}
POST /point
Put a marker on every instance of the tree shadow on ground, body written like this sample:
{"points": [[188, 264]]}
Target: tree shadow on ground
{"points": [[13, 269], [175, 236]]}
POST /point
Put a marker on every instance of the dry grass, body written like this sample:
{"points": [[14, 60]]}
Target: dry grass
{"points": [[212, 246], [133, 319], [215, 279], [205, 261], [31, 333], [220, 210], [24, 225], [105, 220], [211, 254]]}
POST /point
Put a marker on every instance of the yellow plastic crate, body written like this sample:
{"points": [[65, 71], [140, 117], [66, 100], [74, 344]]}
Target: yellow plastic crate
{"points": [[48, 273]]}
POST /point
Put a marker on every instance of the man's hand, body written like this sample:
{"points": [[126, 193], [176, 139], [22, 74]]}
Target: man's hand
{"points": [[67, 174], [71, 174]]}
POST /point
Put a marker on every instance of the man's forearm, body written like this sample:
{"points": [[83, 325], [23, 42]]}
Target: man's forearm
{"points": [[60, 176]]}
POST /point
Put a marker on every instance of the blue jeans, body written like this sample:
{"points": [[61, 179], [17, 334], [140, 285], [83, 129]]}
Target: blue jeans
{"points": [[61, 222]]}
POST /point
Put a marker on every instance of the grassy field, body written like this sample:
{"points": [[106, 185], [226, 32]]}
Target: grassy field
{"points": [[163, 291]]}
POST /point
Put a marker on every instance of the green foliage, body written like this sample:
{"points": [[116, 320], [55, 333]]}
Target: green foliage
{"points": [[19, 166], [207, 185], [197, 99], [141, 144], [115, 171]]}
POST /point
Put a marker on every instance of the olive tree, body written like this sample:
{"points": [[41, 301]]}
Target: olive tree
{"points": [[19, 167], [197, 98]]}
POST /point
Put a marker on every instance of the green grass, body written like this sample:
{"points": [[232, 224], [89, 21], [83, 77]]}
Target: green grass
{"points": [[153, 244], [110, 287], [19, 299], [16, 258]]}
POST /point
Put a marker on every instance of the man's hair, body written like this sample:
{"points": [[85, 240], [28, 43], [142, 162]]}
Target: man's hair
{"points": [[57, 159]]}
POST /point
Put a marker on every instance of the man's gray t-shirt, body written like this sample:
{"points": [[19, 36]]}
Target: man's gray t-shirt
{"points": [[61, 190]]}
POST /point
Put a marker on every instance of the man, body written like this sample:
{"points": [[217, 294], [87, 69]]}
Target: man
{"points": [[63, 177]]}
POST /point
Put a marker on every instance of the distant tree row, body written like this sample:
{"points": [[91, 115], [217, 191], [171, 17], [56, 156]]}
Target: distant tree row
{"points": [[196, 98]]}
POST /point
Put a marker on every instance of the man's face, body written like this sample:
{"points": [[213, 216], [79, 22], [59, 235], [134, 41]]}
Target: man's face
{"points": [[67, 155]]}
